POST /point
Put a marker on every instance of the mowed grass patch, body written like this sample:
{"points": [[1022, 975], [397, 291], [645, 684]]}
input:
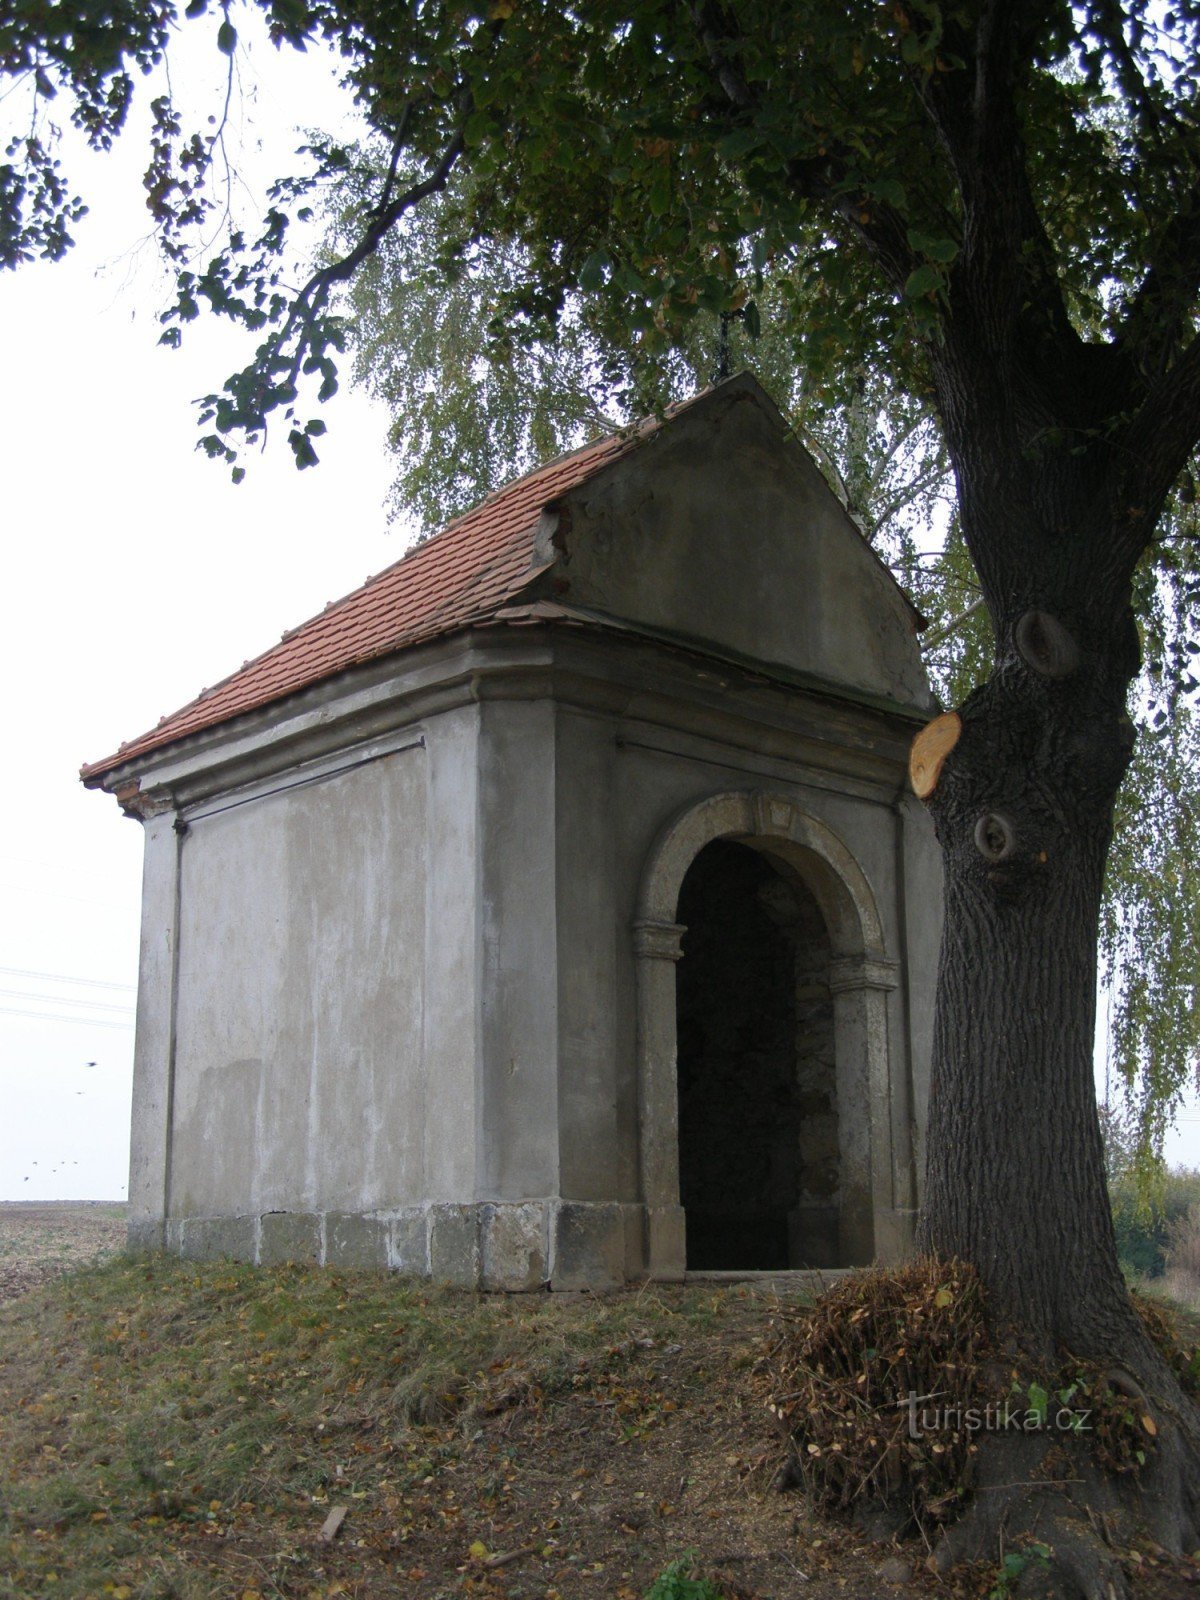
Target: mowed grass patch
{"points": [[148, 1407]]}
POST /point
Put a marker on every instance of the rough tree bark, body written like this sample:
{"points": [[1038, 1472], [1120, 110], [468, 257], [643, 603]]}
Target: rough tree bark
{"points": [[1015, 1179], [1064, 451], [1058, 503]]}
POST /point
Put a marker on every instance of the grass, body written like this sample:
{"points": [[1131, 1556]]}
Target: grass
{"points": [[148, 1405], [176, 1431]]}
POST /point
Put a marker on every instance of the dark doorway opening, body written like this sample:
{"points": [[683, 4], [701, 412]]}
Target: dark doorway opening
{"points": [[758, 1135]]}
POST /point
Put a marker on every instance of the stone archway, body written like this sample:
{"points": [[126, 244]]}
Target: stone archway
{"points": [[860, 976]]}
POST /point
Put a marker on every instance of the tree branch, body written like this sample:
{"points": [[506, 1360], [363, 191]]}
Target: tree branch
{"points": [[312, 299], [875, 223], [1159, 441], [1009, 313], [716, 34]]}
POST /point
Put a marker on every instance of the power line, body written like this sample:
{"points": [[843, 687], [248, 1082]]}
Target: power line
{"points": [[62, 977], [47, 1016], [65, 1000]]}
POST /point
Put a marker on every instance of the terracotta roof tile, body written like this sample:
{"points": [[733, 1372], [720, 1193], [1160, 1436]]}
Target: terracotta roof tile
{"points": [[461, 575]]}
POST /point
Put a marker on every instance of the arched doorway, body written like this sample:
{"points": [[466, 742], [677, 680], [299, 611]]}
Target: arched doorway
{"points": [[756, 1067], [874, 1147]]}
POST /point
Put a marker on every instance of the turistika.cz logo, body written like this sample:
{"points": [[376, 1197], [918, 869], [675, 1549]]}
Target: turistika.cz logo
{"points": [[1035, 1411]]}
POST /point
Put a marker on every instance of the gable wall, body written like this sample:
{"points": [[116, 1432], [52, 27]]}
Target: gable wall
{"points": [[719, 530]]}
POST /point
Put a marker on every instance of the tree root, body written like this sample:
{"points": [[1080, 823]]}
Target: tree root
{"points": [[1079, 1526], [1070, 1474]]}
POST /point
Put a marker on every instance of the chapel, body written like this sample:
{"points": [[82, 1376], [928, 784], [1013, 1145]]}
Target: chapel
{"points": [[553, 909]]}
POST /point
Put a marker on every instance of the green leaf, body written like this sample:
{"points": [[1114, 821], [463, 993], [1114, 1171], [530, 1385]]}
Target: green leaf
{"points": [[943, 250], [891, 191], [739, 143], [925, 280], [302, 449], [591, 273]]}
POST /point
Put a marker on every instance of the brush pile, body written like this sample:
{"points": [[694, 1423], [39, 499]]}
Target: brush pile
{"points": [[872, 1388]]}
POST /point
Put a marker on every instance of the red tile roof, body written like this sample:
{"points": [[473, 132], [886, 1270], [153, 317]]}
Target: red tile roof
{"points": [[461, 575]]}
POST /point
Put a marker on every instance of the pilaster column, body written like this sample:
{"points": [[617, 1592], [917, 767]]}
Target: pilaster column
{"points": [[657, 947], [154, 1041], [876, 1157]]}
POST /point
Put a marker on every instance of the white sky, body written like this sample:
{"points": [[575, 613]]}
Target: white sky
{"points": [[134, 573]]}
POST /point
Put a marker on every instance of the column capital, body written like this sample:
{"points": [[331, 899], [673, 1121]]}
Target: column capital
{"points": [[862, 972], [658, 940]]}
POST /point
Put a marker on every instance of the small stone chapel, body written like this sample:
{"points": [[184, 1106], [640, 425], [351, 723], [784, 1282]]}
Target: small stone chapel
{"points": [[553, 909]]}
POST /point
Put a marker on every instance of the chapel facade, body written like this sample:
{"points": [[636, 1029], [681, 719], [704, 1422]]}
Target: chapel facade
{"points": [[553, 909]]}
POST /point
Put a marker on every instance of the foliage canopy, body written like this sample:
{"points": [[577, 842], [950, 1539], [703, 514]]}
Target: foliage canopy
{"points": [[663, 157], [577, 192]]}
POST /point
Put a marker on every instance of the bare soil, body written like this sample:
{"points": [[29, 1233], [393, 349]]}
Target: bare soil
{"points": [[38, 1241]]}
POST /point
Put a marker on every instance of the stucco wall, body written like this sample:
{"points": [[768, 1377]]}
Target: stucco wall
{"points": [[300, 993], [721, 530], [621, 780], [404, 981]]}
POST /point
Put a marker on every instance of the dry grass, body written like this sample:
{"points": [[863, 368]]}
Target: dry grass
{"points": [[169, 1429], [172, 1431]]}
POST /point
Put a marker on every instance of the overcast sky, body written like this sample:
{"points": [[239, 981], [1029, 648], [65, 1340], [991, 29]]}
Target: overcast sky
{"points": [[135, 573]]}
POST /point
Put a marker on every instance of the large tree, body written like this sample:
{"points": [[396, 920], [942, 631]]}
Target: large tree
{"points": [[999, 195]]}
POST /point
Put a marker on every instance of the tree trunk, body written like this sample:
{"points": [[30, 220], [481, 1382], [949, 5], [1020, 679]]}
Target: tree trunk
{"points": [[1015, 1180], [1015, 1185]]}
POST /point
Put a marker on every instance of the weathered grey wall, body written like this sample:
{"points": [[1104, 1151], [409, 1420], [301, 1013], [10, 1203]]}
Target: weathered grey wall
{"points": [[150, 1134], [447, 827], [300, 993], [721, 530], [403, 996], [517, 1106], [620, 782], [390, 1000], [597, 1092]]}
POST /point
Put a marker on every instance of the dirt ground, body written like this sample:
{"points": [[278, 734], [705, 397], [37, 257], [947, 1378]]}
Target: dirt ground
{"points": [[38, 1241]]}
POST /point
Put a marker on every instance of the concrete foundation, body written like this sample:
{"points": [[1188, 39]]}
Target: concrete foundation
{"points": [[547, 1244]]}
